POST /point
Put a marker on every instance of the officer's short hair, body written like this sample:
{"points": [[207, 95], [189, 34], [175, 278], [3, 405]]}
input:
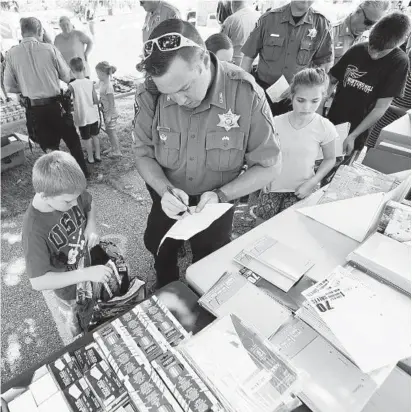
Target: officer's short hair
{"points": [[218, 41], [382, 5], [309, 77], [390, 31], [158, 62], [57, 173], [76, 64], [30, 25]]}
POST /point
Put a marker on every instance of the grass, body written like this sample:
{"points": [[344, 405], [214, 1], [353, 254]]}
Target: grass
{"points": [[16, 185]]}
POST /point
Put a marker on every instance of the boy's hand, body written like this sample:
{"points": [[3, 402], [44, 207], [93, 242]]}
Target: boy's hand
{"points": [[99, 273], [91, 235]]}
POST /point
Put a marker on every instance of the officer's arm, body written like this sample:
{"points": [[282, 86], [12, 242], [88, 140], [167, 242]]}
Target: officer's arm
{"points": [[10, 81], [324, 55], [61, 65], [263, 154], [143, 147], [253, 46]]}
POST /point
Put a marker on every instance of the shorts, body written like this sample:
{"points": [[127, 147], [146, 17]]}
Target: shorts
{"points": [[112, 124], [86, 132], [68, 310], [272, 203]]}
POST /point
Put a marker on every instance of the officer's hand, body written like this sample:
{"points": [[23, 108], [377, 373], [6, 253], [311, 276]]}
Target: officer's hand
{"points": [[205, 199], [172, 206]]}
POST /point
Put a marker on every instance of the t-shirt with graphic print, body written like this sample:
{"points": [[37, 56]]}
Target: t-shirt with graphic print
{"points": [[54, 242], [362, 81]]}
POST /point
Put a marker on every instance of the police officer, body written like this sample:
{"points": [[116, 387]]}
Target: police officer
{"points": [[287, 40], [209, 118], [34, 69], [348, 30], [157, 11]]}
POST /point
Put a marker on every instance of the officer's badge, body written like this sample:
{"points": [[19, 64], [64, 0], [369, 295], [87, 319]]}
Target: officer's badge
{"points": [[312, 33], [157, 19], [228, 120]]}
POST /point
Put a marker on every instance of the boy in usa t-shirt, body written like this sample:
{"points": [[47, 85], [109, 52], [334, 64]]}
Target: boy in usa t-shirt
{"points": [[368, 76]]}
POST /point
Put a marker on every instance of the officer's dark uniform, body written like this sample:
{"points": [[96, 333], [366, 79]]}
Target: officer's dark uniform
{"points": [[34, 69], [202, 150], [286, 47]]}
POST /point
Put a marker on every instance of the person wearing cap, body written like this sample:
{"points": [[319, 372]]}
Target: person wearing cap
{"points": [[156, 12], [287, 40], [348, 30], [239, 25], [192, 140], [34, 69]]}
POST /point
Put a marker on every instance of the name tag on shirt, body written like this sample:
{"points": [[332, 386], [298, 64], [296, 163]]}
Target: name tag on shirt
{"points": [[274, 35]]}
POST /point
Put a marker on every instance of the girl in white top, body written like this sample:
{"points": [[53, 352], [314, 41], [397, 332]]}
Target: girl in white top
{"points": [[86, 114], [303, 134]]}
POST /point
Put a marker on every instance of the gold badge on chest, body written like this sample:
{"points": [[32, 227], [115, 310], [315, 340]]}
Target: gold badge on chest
{"points": [[228, 120]]}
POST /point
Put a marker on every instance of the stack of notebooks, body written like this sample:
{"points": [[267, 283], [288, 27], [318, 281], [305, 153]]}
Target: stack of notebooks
{"points": [[233, 294], [242, 368], [385, 259], [274, 261], [366, 320]]}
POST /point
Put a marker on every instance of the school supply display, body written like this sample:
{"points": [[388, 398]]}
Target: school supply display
{"points": [[233, 294], [278, 263], [335, 383], [385, 259], [241, 367], [357, 180], [396, 221], [369, 320]]}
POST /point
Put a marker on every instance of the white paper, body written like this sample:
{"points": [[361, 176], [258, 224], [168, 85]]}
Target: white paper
{"points": [[24, 402], [352, 217], [372, 322], [54, 404], [343, 132], [190, 225], [43, 389], [276, 90]]}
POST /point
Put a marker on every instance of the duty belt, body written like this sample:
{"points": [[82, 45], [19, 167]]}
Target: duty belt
{"points": [[44, 101]]}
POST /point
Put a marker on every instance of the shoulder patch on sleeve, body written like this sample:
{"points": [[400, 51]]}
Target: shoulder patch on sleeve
{"points": [[238, 74]]}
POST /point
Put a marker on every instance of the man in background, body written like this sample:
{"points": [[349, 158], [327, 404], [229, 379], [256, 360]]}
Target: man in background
{"points": [[156, 12], [287, 40], [347, 31], [34, 70], [239, 25]]}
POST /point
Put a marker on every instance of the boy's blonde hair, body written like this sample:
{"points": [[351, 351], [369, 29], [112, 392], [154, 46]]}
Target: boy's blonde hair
{"points": [[57, 173]]}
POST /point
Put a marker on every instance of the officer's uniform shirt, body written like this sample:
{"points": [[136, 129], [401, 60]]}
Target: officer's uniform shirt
{"points": [[343, 37], [285, 47], [35, 68], [197, 153], [238, 27], [164, 11]]}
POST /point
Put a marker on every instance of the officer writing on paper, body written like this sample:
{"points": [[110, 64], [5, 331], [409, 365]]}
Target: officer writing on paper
{"points": [[287, 40], [209, 118]]}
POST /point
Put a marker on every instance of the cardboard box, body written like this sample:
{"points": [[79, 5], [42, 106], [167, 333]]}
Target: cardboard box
{"points": [[81, 398], [87, 357], [43, 388], [65, 371]]}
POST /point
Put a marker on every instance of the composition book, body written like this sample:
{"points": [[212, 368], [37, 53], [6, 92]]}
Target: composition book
{"points": [[234, 294]]}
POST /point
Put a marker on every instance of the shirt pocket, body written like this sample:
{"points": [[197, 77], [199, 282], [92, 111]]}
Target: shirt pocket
{"points": [[167, 147], [272, 48], [224, 150], [306, 51]]}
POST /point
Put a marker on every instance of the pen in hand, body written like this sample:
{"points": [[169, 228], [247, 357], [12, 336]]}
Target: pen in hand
{"points": [[170, 190]]}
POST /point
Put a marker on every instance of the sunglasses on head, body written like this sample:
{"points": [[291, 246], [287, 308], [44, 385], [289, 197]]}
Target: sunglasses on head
{"points": [[367, 22], [168, 42]]}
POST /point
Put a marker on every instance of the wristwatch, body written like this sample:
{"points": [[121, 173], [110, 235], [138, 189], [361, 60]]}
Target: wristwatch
{"points": [[221, 196]]}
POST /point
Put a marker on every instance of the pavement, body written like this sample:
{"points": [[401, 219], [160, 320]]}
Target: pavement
{"points": [[31, 327]]}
